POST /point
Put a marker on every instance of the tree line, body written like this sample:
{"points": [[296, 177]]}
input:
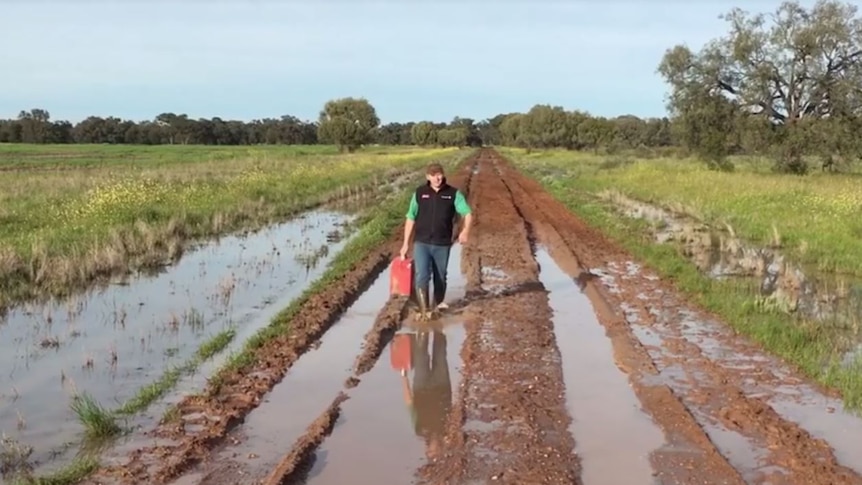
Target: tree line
{"points": [[354, 124], [786, 85]]}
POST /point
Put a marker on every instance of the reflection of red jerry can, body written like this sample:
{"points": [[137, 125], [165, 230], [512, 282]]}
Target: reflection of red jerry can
{"points": [[399, 352], [401, 276]]}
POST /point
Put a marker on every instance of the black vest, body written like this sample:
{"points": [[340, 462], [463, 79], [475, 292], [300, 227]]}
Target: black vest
{"points": [[435, 220]]}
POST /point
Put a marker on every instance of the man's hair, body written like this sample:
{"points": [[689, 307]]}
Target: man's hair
{"points": [[434, 168]]}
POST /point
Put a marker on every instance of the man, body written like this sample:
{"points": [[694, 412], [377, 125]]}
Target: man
{"points": [[432, 213]]}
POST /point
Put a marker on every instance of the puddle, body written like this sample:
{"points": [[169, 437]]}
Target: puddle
{"points": [[111, 342], [613, 436], [822, 416], [721, 254], [494, 280], [382, 436], [757, 375], [746, 457]]}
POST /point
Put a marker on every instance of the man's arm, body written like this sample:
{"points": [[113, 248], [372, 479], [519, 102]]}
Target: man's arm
{"points": [[465, 211], [410, 221]]}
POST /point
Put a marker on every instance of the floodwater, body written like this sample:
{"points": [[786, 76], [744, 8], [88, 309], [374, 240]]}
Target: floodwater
{"points": [[758, 374], [822, 416], [111, 342], [779, 283], [309, 386], [613, 436]]}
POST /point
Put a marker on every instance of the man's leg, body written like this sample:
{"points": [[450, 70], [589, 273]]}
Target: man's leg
{"points": [[439, 267], [421, 270]]}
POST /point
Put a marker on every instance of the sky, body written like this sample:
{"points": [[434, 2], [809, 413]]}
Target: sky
{"points": [[412, 59]]}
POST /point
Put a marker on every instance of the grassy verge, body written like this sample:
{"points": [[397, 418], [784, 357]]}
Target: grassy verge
{"points": [[816, 217], [76, 471], [64, 223], [815, 349]]}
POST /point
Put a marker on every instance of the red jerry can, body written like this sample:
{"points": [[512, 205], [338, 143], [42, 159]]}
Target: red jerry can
{"points": [[400, 352], [401, 276]]}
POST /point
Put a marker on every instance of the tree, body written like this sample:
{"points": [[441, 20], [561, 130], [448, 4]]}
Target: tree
{"points": [[800, 65], [348, 123], [423, 133]]}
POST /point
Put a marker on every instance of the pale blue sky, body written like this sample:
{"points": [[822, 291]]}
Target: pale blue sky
{"points": [[413, 59]]}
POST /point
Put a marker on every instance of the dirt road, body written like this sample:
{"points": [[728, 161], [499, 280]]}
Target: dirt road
{"points": [[561, 361]]}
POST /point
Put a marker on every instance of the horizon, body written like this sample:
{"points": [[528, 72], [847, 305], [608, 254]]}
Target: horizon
{"points": [[240, 60]]}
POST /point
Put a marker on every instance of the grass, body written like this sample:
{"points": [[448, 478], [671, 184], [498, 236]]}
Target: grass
{"points": [[71, 213], [76, 471], [150, 393], [816, 217], [574, 178], [99, 423]]}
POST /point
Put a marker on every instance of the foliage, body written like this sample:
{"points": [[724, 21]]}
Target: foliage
{"points": [[792, 67], [347, 122]]}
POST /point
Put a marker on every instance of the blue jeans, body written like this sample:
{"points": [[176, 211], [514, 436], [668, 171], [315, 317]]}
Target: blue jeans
{"points": [[431, 261]]}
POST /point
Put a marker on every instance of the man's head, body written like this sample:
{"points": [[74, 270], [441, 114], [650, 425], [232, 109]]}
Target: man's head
{"points": [[435, 175]]}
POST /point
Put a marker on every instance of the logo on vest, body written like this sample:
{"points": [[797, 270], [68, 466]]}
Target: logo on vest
{"points": [[445, 196], [426, 196]]}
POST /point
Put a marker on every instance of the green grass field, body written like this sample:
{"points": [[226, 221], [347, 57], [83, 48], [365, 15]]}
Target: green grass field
{"points": [[69, 213], [816, 217]]}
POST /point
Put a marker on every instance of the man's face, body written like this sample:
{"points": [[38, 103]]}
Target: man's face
{"points": [[436, 179]]}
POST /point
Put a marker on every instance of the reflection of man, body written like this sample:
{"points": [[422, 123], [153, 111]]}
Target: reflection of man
{"points": [[431, 397]]}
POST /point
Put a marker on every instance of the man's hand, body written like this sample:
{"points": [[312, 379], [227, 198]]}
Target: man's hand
{"points": [[403, 252], [462, 237]]}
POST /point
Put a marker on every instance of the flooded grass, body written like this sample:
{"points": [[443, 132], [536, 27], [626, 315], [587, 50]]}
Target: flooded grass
{"points": [[780, 284], [128, 345], [818, 349], [66, 223], [815, 217], [79, 469], [157, 389], [98, 422]]}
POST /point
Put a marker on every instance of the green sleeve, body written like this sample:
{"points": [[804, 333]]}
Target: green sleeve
{"points": [[461, 204], [413, 209]]}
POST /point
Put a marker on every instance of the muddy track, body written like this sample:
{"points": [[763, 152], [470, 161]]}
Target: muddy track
{"points": [[716, 405], [510, 422]]}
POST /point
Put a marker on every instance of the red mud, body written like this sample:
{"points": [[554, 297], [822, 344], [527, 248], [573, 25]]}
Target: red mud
{"points": [[510, 420]]}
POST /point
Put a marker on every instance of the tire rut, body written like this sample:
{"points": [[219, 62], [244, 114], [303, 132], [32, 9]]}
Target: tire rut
{"points": [[689, 455]]}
